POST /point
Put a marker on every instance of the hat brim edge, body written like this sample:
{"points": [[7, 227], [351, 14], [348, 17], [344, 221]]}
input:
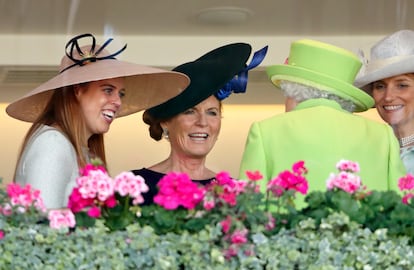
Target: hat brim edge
{"points": [[362, 100]]}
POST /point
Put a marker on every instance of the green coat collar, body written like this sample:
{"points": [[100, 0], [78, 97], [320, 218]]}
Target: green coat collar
{"points": [[319, 102]]}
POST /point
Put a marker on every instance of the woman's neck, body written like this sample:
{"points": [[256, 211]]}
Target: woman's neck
{"points": [[405, 135], [194, 167]]}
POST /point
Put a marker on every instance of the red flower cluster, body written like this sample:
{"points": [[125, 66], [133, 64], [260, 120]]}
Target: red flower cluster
{"points": [[288, 180], [406, 185]]}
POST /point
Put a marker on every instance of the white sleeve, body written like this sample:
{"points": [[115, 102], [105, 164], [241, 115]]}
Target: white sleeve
{"points": [[49, 164]]}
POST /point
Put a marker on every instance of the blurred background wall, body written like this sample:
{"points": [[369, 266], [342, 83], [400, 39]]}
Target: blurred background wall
{"points": [[167, 33]]}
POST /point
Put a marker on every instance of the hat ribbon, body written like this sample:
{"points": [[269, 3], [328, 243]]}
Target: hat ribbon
{"points": [[375, 64], [239, 82], [90, 56]]}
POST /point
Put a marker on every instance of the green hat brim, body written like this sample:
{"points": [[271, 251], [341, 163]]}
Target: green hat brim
{"points": [[362, 100]]}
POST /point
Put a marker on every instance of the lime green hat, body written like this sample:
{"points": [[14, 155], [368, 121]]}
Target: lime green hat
{"points": [[325, 67]]}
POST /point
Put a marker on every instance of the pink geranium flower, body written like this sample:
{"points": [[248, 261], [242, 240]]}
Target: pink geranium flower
{"points": [[254, 176], [226, 224], [91, 167], [128, 184], [208, 203], [102, 197], [97, 184], [345, 181], [406, 198], [226, 188], [61, 219], [24, 197], [287, 180], [177, 189], [239, 236], [347, 166], [406, 182], [94, 212], [77, 203]]}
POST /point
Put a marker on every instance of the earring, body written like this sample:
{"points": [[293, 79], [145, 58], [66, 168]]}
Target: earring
{"points": [[165, 133]]}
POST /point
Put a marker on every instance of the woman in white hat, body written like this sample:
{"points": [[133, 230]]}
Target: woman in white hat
{"points": [[71, 112], [389, 77]]}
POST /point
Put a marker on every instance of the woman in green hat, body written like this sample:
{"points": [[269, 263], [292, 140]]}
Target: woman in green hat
{"points": [[191, 121], [319, 127]]}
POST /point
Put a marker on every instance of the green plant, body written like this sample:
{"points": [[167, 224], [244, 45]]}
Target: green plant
{"points": [[372, 209], [228, 224]]}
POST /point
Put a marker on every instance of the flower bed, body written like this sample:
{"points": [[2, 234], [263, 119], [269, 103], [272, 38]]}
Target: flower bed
{"points": [[227, 225]]}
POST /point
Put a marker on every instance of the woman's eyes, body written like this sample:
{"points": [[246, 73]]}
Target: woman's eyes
{"points": [[122, 94], [189, 111], [212, 113], [109, 91], [378, 86], [402, 85], [381, 86]]}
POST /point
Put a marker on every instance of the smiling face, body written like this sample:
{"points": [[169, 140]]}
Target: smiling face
{"points": [[99, 102], [193, 133], [394, 100]]}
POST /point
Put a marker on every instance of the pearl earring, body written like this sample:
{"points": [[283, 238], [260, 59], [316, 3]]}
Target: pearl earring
{"points": [[165, 133]]}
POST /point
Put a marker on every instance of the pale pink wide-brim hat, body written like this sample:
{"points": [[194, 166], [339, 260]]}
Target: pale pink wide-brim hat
{"points": [[145, 86], [391, 56]]}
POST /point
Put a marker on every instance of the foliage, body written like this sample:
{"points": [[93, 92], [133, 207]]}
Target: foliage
{"points": [[337, 243], [227, 224], [372, 209]]}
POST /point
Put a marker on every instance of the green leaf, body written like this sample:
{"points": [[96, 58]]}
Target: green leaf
{"points": [[83, 220]]}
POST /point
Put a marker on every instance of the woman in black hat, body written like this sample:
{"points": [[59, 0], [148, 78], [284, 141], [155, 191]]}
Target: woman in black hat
{"points": [[191, 121]]}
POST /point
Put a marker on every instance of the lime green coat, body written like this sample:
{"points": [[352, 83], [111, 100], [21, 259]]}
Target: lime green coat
{"points": [[320, 133]]}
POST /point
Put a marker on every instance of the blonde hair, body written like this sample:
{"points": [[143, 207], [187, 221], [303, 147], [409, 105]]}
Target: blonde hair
{"points": [[63, 112]]}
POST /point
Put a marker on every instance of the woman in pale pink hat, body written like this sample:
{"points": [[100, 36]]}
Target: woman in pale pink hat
{"points": [[71, 112], [389, 77]]}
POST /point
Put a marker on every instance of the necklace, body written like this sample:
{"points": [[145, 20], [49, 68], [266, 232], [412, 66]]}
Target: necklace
{"points": [[406, 140]]}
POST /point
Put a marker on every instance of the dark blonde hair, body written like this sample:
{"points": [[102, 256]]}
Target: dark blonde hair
{"points": [[63, 111]]}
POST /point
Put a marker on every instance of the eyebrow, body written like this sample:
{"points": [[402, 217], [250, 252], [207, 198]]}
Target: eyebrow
{"points": [[397, 80], [111, 85]]}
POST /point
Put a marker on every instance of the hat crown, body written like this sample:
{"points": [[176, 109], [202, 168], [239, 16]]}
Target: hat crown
{"points": [[208, 74], [324, 59], [81, 56], [401, 43]]}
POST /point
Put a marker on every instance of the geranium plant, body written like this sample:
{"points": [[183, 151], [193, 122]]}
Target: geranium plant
{"points": [[238, 212], [97, 196], [371, 208], [21, 204]]}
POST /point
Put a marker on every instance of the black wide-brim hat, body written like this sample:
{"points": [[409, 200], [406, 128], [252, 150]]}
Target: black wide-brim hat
{"points": [[208, 74]]}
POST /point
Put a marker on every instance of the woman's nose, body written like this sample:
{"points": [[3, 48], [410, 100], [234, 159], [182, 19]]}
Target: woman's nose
{"points": [[116, 100], [388, 94], [202, 120]]}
